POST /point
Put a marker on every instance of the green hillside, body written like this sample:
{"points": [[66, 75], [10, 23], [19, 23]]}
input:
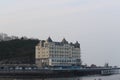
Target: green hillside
{"points": [[18, 51]]}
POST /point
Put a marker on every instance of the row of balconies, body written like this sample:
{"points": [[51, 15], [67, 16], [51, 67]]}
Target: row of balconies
{"points": [[64, 61], [59, 56]]}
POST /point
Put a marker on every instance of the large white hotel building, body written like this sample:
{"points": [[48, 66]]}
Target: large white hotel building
{"points": [[50, 53]]}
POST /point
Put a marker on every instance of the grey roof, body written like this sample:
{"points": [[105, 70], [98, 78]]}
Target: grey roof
{"points": [[64, 41], [59, 43], [77, 44], [49, 39]]}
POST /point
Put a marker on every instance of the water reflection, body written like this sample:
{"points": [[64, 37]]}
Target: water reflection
{"points": [[43, 79]]}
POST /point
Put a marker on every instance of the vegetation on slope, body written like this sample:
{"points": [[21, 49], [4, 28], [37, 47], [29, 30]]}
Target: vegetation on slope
{"points": [[18, 51]]}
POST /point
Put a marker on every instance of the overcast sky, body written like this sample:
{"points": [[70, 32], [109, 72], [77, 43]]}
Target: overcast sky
{"points": [[94, 23]]}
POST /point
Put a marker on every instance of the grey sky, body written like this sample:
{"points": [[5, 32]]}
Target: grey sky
{"points": [[94, 23]]}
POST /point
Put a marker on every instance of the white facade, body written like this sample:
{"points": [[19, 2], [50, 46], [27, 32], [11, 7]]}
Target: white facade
{"points": [[49, 53]]}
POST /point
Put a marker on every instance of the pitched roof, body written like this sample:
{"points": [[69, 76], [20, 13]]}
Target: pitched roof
{"points": [[49, 39], [64, 41]]}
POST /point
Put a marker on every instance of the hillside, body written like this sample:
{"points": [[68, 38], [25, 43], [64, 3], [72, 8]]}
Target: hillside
{"points": [[18, 51]]}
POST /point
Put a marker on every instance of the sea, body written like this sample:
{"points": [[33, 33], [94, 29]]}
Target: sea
{"points": [[95, 77]]}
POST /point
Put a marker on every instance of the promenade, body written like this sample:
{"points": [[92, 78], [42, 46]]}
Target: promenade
{"points": [[32, 71]]}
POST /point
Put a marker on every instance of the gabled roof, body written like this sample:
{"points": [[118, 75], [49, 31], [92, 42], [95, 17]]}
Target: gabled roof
{"points": [[64, 41], [77, 44], [49, 39]]}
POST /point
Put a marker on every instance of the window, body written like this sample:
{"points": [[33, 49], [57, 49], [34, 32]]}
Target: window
{"points": [[52, 60], [38, 55]]}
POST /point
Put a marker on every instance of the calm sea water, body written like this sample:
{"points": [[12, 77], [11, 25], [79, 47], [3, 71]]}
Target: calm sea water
{"points": [[111, 77]]}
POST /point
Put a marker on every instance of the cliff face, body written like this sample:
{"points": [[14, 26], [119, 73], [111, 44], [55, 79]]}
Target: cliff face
{"points": [[18, 51]]}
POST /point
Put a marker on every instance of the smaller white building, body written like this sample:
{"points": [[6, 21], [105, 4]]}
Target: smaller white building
{"points": [[50, 53]]}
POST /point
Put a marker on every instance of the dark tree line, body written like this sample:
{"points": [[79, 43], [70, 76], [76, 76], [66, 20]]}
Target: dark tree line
{"points": [[18, 51]]}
